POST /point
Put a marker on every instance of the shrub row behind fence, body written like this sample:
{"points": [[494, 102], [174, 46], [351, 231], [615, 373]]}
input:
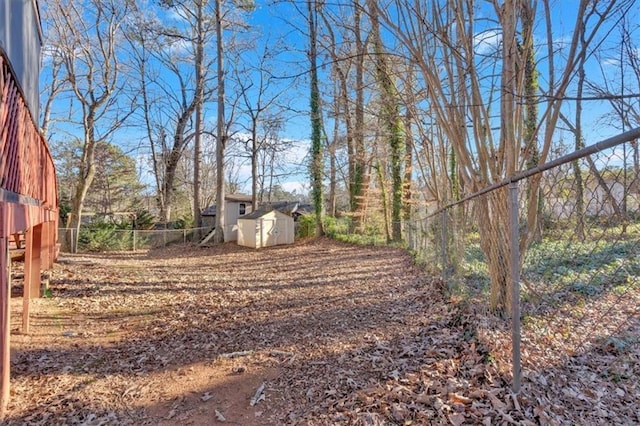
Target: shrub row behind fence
{"points": [[110, 239]]}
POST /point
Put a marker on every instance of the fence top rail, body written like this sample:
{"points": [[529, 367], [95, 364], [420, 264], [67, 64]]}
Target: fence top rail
{"points": [[576, 155], [142, 230]]}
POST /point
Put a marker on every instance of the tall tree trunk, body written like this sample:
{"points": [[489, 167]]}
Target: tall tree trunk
{"points": [[199, 57], [172, 161], [391, 121], [383, 200], [359, 184], [221, 133], [579, 144], [494, 208], [408, 171], [85, 177], [316, 168], [531, 149]]}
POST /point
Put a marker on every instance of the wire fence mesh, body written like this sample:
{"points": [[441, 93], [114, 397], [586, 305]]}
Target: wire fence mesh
{"points": [[109, 239], [576, 234]]}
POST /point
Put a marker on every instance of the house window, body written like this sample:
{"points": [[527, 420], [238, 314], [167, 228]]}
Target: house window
{"points": [[242, 209]]}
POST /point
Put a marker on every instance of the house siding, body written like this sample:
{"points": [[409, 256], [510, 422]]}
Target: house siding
{"points": [[231, 215], [21, 40]]}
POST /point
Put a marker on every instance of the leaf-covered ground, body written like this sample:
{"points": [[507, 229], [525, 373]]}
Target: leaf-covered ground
{"points": [[315, 333]]}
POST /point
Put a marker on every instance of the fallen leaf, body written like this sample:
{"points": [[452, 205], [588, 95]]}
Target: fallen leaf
{"points": [[219, 416], [456, 419]]}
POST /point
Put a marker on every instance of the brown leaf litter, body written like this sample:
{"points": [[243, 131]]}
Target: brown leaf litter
{"points": [[315, 333]]}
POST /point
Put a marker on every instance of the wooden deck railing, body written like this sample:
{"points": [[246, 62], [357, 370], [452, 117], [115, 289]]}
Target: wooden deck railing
{"points": [[26, 166], [28, 204]]}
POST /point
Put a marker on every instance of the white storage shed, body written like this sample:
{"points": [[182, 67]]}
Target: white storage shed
{"points": [[264, 228]]}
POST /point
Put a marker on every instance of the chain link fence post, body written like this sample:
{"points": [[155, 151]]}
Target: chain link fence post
{"points": [[443, 245], [514, 239]]}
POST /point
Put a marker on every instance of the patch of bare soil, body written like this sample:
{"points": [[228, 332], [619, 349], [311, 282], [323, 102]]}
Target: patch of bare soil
{"points": [[315, 333]]}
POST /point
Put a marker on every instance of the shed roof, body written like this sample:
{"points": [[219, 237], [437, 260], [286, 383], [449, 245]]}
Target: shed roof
{"points": [[260, 212]]}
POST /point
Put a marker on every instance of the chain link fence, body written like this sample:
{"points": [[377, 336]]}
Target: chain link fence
{"points": [[549, 262], [109, 239]]}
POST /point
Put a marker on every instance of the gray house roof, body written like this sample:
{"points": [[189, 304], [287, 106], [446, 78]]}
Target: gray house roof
{"points": [[288, 207], [238, 198]]}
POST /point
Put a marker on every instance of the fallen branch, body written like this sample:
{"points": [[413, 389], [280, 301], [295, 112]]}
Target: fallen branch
{"points": [[276, 352], [259, 396], [235, 354]]}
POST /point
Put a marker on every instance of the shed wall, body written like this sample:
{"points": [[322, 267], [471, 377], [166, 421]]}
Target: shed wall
{"points": [[247, 233], [272, 228]]}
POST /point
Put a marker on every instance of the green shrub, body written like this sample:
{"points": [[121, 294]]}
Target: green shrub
{"points": [[102, 235], [336, 226], [144, 220], [307, 226], [184, 222]]}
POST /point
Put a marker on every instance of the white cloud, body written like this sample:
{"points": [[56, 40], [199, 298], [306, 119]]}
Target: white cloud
{"points": [[299, 187], [297, 152], [611, 62], [487, 41]]}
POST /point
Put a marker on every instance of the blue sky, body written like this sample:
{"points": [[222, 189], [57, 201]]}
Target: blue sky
{"points": [[271, 21]]}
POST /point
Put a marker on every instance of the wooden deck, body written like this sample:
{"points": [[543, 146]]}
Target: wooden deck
{"points": [[28, 206]]}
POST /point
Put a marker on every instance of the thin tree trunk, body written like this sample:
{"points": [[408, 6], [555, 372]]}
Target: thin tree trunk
{"points": [[331, 148], [218, 236], [199, 57], [383, 200], [254, 164], [531, 149]]}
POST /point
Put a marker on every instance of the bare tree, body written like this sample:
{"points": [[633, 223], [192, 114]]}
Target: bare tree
{"points": [[221, 125], [171, 63], [467, 80], [55, 83], [87, 37], [346, 45], [260, 98], [621, 87]]}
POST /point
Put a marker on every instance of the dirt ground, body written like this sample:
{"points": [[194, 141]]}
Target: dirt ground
{"points": [[315, 333]]}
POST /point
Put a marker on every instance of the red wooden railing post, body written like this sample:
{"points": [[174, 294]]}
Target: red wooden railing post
{"points": [[36, 276], [28, 272], [5, 316]]}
